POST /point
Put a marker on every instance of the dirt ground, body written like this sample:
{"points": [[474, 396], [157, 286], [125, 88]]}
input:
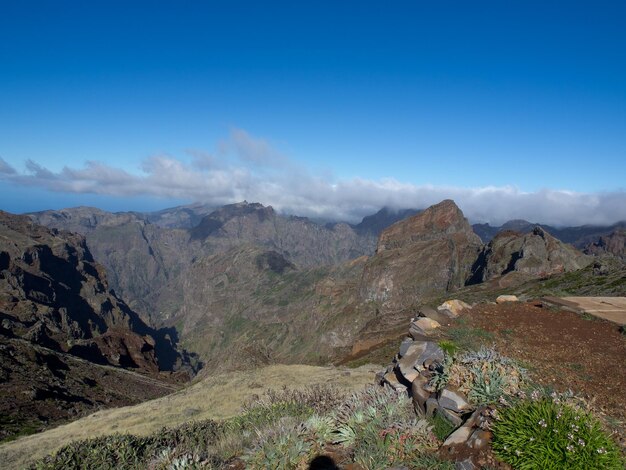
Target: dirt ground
{"points": [[562, 350]]}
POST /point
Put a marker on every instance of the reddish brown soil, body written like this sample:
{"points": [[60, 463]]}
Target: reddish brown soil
{"points": [[562, 350]]}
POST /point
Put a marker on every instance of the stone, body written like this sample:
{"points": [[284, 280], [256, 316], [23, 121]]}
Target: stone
{"points": [[506, 298], [391, 380], [423, 326], [406, 365], [453, 308], [432, 405], [454, 401], [480, 439], [466, 464], [459, 437], [419, 394], [451, 416], [477, 417], [433, 314], [404, 346], [432, 354]]}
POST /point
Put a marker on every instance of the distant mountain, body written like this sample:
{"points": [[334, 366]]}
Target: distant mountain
{"points": [[180, 217], [143, 258], [613, 244], [376, 223], [577, 236], [300, 240]]}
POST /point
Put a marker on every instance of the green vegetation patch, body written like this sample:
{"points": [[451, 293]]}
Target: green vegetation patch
{"points": [[549, 435]]}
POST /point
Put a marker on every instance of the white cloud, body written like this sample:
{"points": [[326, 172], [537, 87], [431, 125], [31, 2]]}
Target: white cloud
{"points": [[241, 172]]}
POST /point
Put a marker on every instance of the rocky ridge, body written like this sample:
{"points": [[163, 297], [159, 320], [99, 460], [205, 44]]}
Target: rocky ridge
{"points": [[527, 255], [431, 252]]}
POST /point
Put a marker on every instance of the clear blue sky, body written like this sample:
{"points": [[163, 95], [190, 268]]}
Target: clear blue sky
{"points": [[522, 94]]}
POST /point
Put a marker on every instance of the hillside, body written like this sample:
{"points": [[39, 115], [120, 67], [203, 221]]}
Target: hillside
{"points": [[218, 396], [55, 306]]}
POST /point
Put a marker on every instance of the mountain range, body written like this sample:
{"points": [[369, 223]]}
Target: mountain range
{"points": [[239, 285]]}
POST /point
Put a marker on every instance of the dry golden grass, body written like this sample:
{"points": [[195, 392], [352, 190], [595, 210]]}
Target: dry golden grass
{"points": [[218, 397]]}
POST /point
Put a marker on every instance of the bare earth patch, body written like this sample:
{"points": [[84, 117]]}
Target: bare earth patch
{"points": [[562, 350]]}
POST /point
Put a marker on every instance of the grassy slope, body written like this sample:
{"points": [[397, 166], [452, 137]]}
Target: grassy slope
{"points": [[219, 396]]}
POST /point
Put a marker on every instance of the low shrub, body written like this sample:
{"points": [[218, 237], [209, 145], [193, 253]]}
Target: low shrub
{"points": [[551, 435], [485, 376]]}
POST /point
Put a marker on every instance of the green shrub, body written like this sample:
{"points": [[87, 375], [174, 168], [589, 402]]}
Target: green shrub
{"points": [[441, 375], [380, 428], [486, 376], [449, 347], [549, 435], [282, 446]]}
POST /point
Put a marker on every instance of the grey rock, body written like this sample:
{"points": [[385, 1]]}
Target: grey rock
{"points": [[419, 394], [406, 365], [431, 406], [454, 401], [433, 353], [404, 347]]}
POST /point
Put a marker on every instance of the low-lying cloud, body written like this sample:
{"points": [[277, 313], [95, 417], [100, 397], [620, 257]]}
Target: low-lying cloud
{"points": [[244, 167]]}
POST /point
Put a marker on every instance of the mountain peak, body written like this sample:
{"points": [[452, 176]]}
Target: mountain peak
{"points": [[442, 218]]}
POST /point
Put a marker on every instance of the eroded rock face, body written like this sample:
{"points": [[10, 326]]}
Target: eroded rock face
{"points": [[532, 254], [424, 254], [52, 293]]}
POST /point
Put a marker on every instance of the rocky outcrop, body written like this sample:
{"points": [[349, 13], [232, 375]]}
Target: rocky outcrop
{"points": [[419, 358], [612, 244], [52, 293], [411, 372], [429, 253], [534, 254]]}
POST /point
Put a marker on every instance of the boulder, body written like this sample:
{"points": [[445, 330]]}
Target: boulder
{"points": [[506, 298], [453, 308], [459, 437], [418, 354], [423, 327], [454, 401]]}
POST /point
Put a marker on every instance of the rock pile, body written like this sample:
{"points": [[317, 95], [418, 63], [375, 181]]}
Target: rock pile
{"points": [[418, 359]]}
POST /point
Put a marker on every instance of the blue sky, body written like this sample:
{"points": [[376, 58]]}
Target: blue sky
{"points": [[515, 109]]}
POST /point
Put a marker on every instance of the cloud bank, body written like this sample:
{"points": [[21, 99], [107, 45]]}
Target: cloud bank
{"points": [[245, 167]]}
